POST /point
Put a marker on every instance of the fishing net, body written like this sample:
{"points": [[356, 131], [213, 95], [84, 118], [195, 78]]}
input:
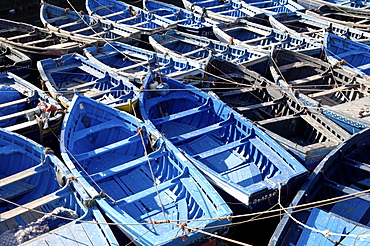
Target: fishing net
{"points": [[45, 224]]}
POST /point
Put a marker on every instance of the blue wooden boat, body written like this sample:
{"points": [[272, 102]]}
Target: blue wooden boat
{"points": [[39, 43], [134, 62], [275, 7], [72, 73], [230, 151], [186, 20], [345, 6], [313, 27], [262, 38], [231, 11], [35, 189], [354, 19], [347, 53], [203, 50], [27, 110], [222, 11], [150, 189], [332, 206], [126, 14], [83, 26], [305, 133], [13, 60], [339, 94]]}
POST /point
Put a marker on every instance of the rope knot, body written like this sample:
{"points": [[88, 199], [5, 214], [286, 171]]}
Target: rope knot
{"points": [[327, 233], [89, 203], [185, 231]]}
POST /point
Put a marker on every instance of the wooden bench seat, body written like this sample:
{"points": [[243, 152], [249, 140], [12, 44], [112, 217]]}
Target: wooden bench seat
{"points": [[199, 132], [24, 174], [307, 79], [153, 190], [126, 166], [35, 204], [182, 114], [107, 148], [258, 105], [285, 67], [221, 149], [54, 19], [22, 36]]}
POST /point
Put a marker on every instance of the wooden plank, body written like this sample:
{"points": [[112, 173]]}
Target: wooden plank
{"points": [[31, 205], [103, 7], [15, 189], [120, 32], [140, 24], [236, 91], [126, 166], [147, 192], [209, 8], [259, 105], [182, 114], [99, 34], [76, 235], [57, 18], [221, 149], [113, 14], [141, 64], [90, 70], [228, 11], [330, 91], [127, 19], [261, 2], [39, 41], [14, 115], [306, 80], [253, 40], [95, 95], [193, 52], [70, 24], [364, 67], [21, 36], [199, 132], [108, 148], [86, 84], [24, 174], [292, 65], [15, 102], [362, 22], [272, 7], [91, 28]]}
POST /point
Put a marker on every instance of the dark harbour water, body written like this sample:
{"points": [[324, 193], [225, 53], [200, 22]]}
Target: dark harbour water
{"points": [[244, 229]]}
